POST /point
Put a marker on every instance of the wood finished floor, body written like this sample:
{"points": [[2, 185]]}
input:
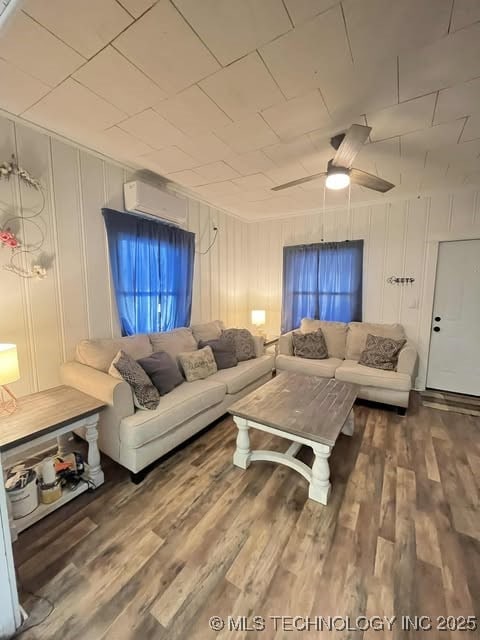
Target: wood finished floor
{"points": [[400, 536]]}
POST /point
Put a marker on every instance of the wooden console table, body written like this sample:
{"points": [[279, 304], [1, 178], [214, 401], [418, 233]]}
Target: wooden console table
{"points": [[39, 418]]}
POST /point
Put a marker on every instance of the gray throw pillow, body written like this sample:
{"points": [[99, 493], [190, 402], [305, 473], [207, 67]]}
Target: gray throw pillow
{"points": [[381, 353], [162, 371], [198, 365], [310, 345], [242, 341], [223, 352], [145, 394]]}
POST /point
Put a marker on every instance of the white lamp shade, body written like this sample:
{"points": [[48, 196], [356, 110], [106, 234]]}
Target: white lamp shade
{"points": [[9, 371], [258, 317], [337, 181]]}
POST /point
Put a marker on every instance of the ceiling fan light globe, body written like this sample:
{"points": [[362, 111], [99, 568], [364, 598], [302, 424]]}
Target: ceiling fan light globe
{"points": [[337, 180]]}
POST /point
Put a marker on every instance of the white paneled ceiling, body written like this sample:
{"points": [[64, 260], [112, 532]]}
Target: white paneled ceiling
{"points": [[228, 98], [86, 26]]}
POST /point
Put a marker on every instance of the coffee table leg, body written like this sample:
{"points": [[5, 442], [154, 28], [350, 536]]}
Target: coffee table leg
{"points": [[320, 485], [349, 425], [241, 457]]}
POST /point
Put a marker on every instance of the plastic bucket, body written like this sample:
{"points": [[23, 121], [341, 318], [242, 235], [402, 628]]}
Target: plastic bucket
{"points": [[24, 500]]}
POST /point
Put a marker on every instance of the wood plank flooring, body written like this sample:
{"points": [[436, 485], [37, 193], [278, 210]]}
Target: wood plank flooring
{"points": [[399, 537]]}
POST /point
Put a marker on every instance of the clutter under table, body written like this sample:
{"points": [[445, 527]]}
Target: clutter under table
{"points": [[33, 493]]}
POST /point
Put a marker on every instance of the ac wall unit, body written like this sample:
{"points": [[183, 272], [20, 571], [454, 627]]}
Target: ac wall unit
{"points": [[146, 199]]}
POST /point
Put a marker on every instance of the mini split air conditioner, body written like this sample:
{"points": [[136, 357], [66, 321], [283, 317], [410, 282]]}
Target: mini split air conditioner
{"points": [[145, 199]]}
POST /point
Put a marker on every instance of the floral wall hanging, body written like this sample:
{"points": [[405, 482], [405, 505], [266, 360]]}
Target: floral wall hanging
{"points": [[9, 239]]}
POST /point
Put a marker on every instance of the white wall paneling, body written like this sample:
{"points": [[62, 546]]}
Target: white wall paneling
{"points": [[243, 270], [401, 238], [46, 318]]}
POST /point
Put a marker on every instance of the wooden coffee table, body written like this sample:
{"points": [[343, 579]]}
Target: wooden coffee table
{"points": [[304, 409]]}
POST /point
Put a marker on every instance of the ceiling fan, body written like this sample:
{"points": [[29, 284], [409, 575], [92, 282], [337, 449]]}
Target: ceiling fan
{"points": [[340, 172]]}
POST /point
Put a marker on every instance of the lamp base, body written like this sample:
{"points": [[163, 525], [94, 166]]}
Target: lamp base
{"points": [[8, 402], [259, 330]]}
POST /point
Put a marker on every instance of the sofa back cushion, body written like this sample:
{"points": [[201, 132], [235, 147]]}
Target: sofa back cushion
{"points": [[100, 353], [357, 336], [207, 330], [335, 335], [173, 342]]}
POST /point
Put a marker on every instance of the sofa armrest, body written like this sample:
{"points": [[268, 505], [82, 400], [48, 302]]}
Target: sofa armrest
{"points": [[259, 342], [116, 393], [407, 360], [285, 344]]}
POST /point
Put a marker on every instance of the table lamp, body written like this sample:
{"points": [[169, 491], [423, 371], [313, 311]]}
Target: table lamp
{"points": [[9, 372], [258, 320]]}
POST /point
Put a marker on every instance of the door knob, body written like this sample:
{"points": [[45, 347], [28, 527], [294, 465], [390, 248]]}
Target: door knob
{"points": [[437, 329], [437, 318]]}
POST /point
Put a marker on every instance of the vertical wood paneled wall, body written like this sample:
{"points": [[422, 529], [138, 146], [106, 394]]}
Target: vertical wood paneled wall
{"points": [[242, 271], [46, 318], [396, 237]]}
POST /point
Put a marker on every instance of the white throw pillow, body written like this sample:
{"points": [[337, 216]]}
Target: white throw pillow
{"points": [[198, 365]]}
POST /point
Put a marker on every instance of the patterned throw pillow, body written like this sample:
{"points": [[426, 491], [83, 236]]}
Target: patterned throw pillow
{"points": [[242, 341], [198, 365], [145, 394], [310, 345], [381, 353], [223, 352]]}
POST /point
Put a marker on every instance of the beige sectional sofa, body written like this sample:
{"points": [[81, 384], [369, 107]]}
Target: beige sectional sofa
{"points": [[345, 343], [136, 438]]}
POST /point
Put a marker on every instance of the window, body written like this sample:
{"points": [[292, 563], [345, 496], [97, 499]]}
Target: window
{"points": [[152, 270], [322, 281]]}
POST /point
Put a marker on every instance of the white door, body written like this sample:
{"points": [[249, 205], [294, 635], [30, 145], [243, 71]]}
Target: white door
{"points": [[454, 362]]}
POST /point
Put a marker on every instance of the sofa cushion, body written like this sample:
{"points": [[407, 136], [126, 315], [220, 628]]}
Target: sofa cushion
{"points": [[100, 353], [335, 334], [162, 370], [180, 405], [351, 371], [309, 345], [239, 377], [357, 336], [207, 330], [223, 352], [381, 353], [322, 368], [242, 339], [174, 342], [145, 394]]}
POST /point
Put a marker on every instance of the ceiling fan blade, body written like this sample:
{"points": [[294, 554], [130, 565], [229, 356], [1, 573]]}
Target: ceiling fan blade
{"points": [[294, 183], [351, 144], [368, 180]]}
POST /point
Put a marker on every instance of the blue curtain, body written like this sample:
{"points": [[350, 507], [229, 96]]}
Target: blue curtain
{"points": [[322, 281], [152, 270]]}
